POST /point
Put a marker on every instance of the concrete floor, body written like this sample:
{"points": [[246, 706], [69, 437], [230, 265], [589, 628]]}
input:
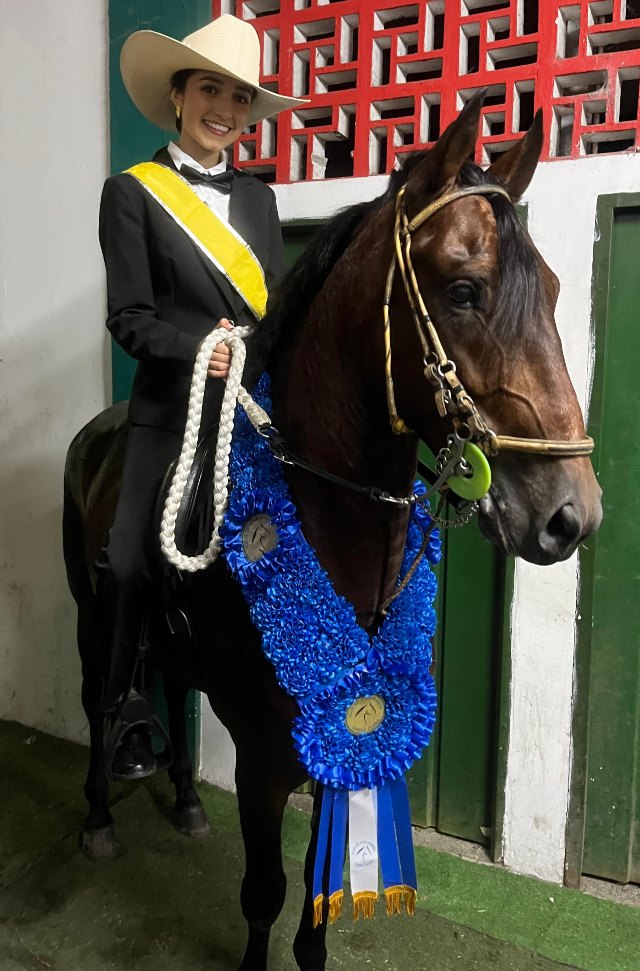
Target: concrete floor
{"points": [[170, 903]]}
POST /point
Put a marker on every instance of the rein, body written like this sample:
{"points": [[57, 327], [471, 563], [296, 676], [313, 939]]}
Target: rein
{"points": [[282, 451], [452, 400]]}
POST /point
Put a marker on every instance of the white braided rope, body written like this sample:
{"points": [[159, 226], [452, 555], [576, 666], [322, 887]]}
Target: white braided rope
{"points": [[233, 392]]}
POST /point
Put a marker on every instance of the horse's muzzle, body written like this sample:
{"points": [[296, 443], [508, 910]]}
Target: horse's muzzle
{"points": [[518, 529]]}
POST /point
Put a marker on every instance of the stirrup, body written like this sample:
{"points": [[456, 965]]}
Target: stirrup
{"points": [[136, 712]]}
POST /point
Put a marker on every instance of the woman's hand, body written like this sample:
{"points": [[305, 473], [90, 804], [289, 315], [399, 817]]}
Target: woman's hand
{"points": [[221, 358]]}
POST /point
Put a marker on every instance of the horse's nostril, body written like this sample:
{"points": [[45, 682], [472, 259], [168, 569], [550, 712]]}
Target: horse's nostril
{"points": [[563, 529]]}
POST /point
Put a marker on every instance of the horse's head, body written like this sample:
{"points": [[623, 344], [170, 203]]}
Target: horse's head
{"points": [[491, 299]]}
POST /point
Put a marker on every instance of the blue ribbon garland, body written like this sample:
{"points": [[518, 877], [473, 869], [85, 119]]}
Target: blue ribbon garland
{"points": [[326, 661]]}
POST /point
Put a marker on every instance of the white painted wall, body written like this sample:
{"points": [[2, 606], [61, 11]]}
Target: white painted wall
{"points": [[217, 752], [562, 220], [54, 136], [562, 205]]}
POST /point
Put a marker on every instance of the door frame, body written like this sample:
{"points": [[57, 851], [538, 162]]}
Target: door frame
{"points": [[608, 206]]}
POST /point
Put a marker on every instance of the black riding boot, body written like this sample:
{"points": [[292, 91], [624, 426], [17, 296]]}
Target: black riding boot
{"points": [[130, 732]]}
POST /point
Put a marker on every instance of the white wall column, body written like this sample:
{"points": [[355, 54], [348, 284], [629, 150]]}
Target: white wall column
{"points": [[53, 361], [562, 221]]}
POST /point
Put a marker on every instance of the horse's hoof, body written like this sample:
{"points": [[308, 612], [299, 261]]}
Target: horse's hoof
{"points": [[100, 844], [191, 821]]}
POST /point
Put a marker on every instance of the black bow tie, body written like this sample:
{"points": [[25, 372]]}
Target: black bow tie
{"points": [[222, 181]]}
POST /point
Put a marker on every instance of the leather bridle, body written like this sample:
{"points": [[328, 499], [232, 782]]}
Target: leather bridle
{"points": [[462, 466], [452, 400]]}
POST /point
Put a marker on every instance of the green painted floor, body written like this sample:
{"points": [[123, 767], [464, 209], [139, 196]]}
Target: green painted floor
{"points": [[170, 903]]}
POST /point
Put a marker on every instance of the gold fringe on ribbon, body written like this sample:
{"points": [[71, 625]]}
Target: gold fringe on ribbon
{"points": [[410, 900], [396, 896], [335, 906], [317, 910], [364, 904]]}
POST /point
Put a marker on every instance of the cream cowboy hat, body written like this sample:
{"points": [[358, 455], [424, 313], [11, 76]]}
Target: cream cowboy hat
{"points": [[228, 45]]}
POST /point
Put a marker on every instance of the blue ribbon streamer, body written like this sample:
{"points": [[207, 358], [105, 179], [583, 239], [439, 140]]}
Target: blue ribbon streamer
{"points": [[404, 835], [387, 840], [322, 848], [338, 839]]}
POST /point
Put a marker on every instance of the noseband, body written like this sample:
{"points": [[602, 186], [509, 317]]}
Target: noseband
{"points": [[452, 400]]}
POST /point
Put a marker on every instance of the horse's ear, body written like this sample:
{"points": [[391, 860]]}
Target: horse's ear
{"points": [[443, 162], [515, 168]]}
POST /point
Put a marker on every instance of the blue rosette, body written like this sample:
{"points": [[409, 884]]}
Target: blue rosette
{"points": [[244, 505], [340, 759]]}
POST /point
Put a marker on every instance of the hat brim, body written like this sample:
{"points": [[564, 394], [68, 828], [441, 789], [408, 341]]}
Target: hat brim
{"points": [[149, 60]]}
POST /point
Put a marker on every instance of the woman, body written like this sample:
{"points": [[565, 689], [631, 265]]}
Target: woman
{"points": [[188, 244]]}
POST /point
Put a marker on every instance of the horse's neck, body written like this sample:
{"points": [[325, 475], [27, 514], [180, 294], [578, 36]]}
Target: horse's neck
{"points": [[330, 406]]}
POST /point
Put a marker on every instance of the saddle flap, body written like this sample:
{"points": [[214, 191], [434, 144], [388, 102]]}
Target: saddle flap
{"points": [[194, 521]]}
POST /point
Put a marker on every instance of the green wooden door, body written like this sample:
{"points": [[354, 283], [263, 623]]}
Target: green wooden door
{"points": [[608, 765], [455, 786]]}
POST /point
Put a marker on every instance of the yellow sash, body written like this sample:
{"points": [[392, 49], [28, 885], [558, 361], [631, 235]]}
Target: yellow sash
{"points": [[219, 242]]}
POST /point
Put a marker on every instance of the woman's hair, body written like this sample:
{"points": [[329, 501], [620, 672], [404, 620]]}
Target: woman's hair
{"points": [[178, 83]]}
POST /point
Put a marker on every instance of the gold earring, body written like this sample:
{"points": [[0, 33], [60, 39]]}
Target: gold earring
{"points": [[178, 111]]}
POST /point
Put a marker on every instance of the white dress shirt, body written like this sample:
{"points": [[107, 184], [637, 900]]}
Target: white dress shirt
{"points": [[217, 201]]}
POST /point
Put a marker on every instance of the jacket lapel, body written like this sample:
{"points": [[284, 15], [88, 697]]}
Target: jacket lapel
{"points": [[243, 214], [162, 156]]}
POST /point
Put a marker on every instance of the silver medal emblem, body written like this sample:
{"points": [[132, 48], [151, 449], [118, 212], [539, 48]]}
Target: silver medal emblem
{"points": [[259, 536]]}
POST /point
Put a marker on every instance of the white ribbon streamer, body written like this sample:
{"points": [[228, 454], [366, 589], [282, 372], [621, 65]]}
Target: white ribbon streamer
{"points": [[363, 841]]}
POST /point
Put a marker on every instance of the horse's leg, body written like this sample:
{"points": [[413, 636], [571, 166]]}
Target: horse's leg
{"points": [[98, 839], [189, 815], [261, 801], [309, 945]]}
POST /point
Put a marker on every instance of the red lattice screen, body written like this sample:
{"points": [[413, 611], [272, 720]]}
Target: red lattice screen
{"points": [[385, 78]]}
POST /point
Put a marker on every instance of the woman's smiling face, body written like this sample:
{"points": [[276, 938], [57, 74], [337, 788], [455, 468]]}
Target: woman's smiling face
{"points": [[215, 110]]}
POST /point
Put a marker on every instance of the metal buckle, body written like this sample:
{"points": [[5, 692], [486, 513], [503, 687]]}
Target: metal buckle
{"points": [[276, 443], [381, 496]]}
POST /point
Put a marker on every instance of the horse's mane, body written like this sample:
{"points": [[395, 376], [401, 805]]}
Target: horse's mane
{"points": [[290, 301]]}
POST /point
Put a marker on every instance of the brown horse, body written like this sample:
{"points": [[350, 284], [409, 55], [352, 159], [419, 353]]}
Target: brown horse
{"points": [[492, 299]]}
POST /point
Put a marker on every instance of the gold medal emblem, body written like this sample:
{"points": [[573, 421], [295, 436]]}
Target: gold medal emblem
{"points": [[365, 715], [259, 536]]}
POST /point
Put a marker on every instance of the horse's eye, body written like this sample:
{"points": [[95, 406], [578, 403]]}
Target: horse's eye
{"points": [[463, 295]]}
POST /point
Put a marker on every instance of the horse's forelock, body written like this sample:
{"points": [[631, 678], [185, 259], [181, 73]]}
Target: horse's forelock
{"points": [[520, 286], [519, 292]]}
